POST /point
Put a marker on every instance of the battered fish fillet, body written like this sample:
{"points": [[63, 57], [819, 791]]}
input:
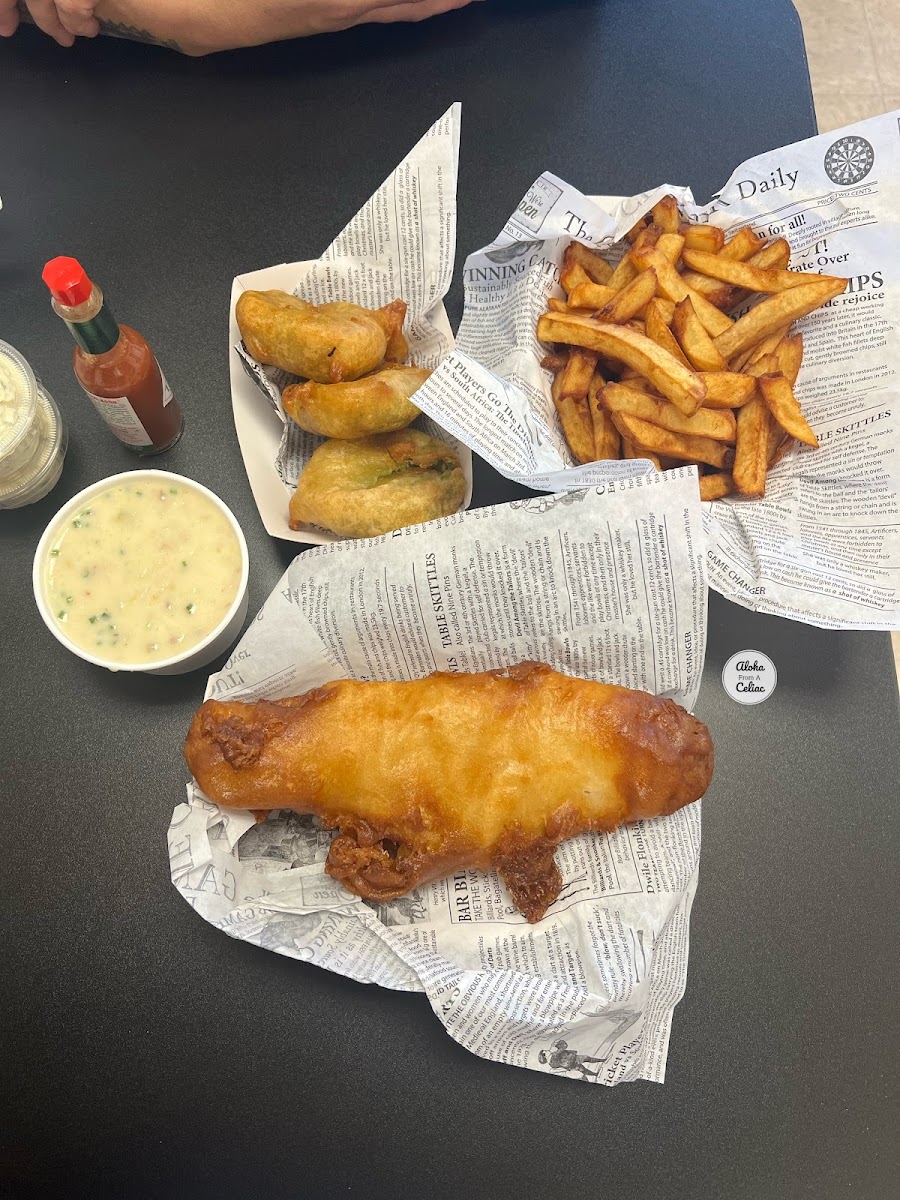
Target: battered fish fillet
{"points": [[434, 776]]}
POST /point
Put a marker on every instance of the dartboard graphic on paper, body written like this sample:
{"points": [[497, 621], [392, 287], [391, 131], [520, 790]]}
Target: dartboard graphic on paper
{"points": [[849, 160]]}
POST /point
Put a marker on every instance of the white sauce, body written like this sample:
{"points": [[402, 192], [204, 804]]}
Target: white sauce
{"points": [[143, 572], [15, 402]]}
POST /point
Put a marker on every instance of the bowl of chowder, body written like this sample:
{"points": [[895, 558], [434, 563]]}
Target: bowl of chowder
{"points": [[143, 571]]}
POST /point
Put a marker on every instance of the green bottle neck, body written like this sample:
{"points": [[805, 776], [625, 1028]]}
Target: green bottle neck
{"points": [[97, 334]]}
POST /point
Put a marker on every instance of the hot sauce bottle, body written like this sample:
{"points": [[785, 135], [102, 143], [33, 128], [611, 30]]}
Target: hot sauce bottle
{"points": [[114, 365]]}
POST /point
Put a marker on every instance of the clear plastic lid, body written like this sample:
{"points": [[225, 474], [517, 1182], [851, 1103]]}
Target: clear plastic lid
{"points": [[18, 404], [33, 480]]}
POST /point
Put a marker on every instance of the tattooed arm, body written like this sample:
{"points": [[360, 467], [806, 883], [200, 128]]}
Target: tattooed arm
{"points": [[199, 27]]}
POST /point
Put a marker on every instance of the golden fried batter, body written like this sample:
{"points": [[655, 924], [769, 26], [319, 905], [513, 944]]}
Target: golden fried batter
{"points": [[328, 343], [370, 486], [454, 771], [377, 403]]}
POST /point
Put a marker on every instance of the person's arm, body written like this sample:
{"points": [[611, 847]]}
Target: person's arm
{"points": [[198, 27]]}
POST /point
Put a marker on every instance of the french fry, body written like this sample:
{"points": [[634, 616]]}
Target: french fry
{"points": [[671, 245], [606, 437], [665, 214], [623, 274], [590, 295], [766, 364], [779, 396], [789, 356], [777, 310], [702, 237], [658, 329], [554, 304], [670, 377], [672, 286], [648, 237], [743, 275], [596, 268], [755, 353], [774, 257], [721, 295], [725, 389], [751, 450], [555, 361], [630, 450], [744, 244], [674, 445], [719, 425], [572, 275], [715, 486], [632, 234], [694, 340], [779, 444], [577, 373], [630, 300], [575, 419], [665, 308]]}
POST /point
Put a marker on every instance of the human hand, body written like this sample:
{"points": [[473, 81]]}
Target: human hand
{"points": [[63, 20], [200, 27]]}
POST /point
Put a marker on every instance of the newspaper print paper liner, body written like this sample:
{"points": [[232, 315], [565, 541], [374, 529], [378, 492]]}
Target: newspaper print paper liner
{"points": [[401, 244], [608, 584], [823, 545]]}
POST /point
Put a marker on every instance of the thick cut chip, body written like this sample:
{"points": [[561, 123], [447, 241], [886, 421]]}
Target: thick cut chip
{"points": [[751, 452], [694, 340], [672, 286], [606, 437], [706, 422], [596, 268], [778, 310], [779, 396], [715, 486], [630, 300], [670, 377], [703, 237], [742, 275], [674, 445], [725, 389]]}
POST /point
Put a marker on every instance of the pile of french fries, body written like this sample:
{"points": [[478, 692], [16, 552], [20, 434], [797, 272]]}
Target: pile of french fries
{"points": [[647, 363]]}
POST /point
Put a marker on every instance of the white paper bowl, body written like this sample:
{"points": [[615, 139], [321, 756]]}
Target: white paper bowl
{"points": [[214, 644]]}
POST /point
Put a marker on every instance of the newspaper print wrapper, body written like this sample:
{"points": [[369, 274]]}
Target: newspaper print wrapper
{"points": [[823, 545], [608, 584], [401, 244]]}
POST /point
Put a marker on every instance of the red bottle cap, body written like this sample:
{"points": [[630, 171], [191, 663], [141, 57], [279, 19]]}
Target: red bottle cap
{"points": [[67, 280]]}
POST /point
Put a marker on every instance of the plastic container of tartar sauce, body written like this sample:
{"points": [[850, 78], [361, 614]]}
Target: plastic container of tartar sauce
{"points": [[32, 434]]}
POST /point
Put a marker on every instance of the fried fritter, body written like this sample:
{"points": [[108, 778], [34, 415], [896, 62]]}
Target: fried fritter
{"points": [[454, 771], [370, 486], [377, 403], [328, 343]]}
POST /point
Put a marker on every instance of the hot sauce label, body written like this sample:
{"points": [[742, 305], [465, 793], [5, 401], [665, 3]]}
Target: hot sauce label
{"points": [[121, 418], [166, 390]]}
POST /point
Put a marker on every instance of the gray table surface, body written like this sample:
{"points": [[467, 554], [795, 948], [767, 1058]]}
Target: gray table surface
{"points": [[147, 1055]]}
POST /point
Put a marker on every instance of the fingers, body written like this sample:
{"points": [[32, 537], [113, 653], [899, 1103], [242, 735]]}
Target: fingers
{"points": [[46, 18], [77, 16], [412, 10], [9, 18]]}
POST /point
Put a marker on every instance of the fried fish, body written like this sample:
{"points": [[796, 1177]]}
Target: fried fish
{"points": [[455, 771]]}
